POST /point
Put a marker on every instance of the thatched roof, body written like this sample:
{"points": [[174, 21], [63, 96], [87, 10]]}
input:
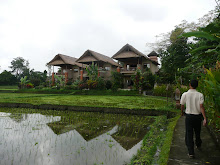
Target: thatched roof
{"points": [[61, 59], [90, 56], [129, 51]]}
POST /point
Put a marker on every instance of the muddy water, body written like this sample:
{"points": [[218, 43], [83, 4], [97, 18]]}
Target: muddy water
{"points": [[54, 138]]}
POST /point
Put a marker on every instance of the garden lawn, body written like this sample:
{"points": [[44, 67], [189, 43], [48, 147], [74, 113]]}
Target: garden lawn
{"points": [[129, 102]]}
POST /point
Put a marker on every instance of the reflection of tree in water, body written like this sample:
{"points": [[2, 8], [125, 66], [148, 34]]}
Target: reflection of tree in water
{"points": [[87, 129], [18, 117], [130, 131], [93, 129], [129, 134]]}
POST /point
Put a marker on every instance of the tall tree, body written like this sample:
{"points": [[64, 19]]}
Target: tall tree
{"points": [[173, 58], [18, 66]]}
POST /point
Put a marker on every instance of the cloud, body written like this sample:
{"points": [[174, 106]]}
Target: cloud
{"points": [[38, 30], [142, 10]]}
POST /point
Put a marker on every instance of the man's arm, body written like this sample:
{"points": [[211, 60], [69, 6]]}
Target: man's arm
{"points": [[182, 110], [203, 114]]}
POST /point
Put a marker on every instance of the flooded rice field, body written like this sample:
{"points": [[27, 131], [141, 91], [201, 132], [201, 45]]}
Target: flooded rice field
{"points": [[37, 137]]}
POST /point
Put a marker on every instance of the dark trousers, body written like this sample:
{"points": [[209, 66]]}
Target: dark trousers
{"points": [[193, 124]]}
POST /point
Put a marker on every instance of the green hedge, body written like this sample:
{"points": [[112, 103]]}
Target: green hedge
{"points": [[161, 90]]}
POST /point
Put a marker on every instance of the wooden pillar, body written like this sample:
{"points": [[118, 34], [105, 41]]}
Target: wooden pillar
{"points": [[81, 75], [118, 69], [66, 77]]}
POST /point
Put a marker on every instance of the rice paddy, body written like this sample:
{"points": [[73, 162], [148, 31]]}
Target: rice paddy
{"points": [[30, 136]]}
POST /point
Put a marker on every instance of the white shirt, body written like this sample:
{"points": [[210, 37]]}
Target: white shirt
{"points": [[192, 98]]}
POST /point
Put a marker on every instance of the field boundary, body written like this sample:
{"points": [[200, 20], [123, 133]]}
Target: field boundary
{"points": [[145, 112]]}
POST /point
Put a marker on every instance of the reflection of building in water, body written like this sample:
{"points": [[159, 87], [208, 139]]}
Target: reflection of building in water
{"points": [[18, 117]]}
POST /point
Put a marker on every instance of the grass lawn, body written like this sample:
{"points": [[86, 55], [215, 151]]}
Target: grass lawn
{"points": [[130, 102]]}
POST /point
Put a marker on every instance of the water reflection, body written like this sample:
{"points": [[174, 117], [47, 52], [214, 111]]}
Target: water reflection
{"points": [[70, 138]]}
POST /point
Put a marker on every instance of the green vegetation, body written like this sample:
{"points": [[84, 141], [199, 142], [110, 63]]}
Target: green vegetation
{"points": [[131, 102], [8, 87], [210, 86], [156, 143], [166, 142]]}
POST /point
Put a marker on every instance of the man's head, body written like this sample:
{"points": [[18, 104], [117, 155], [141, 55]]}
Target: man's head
{"points": [[194, 84]]}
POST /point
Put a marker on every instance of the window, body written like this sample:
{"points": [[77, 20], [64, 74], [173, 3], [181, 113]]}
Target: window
{"points": [[146, 65], [76, 70], [107, 68]]}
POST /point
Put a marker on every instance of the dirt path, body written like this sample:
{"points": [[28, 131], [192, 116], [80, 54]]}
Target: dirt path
{"points": [[210, 154]]}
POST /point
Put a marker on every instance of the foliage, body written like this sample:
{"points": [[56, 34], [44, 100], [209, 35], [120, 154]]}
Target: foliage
{"points": [[148, 80], [161, 90], [36, 77], [206, 48], [82, 85], [59, 80], [92, 84], [108, 84], [101, 84], [174, 56], [211, 89], [138, 79], [92, 71], [150, 142], [23, 82], [6, 78], [117, 80], [18, 66], [29, 85], [166, 143]]}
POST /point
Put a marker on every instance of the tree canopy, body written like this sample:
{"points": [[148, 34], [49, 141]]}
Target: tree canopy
{"points": [[18, 66]]}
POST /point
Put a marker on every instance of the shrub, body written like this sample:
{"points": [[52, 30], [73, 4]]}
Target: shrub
{"points": [[35, 82], [101, 84], [92, 84], [117, 80], [162, 90], [69, 83], [209, 85], [29, 85], [82, 85], [108, 84], [148, 80]]}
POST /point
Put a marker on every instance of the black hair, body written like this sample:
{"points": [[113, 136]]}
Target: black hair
{"points": [[194, 84]]}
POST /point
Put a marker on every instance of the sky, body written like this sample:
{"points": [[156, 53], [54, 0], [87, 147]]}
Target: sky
{"points": [[37, 30]]}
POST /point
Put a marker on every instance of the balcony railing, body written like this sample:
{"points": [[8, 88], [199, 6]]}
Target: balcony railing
{"points": [[129, 69]]}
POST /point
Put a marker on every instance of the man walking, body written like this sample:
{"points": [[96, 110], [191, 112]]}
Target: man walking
{"points": [[194, 113]]}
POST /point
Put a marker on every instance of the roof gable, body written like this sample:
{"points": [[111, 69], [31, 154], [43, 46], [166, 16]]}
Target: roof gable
{"points": [[128, 51], [90, 56], [61, 59], [128, 48]]}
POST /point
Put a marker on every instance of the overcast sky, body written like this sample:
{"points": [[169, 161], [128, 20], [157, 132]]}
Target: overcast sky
{"points": [[37, 30]]}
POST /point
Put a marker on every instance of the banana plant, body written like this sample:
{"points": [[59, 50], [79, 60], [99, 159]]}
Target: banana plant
{"points": [[92, 71], [24, 82], [60, 80]]}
